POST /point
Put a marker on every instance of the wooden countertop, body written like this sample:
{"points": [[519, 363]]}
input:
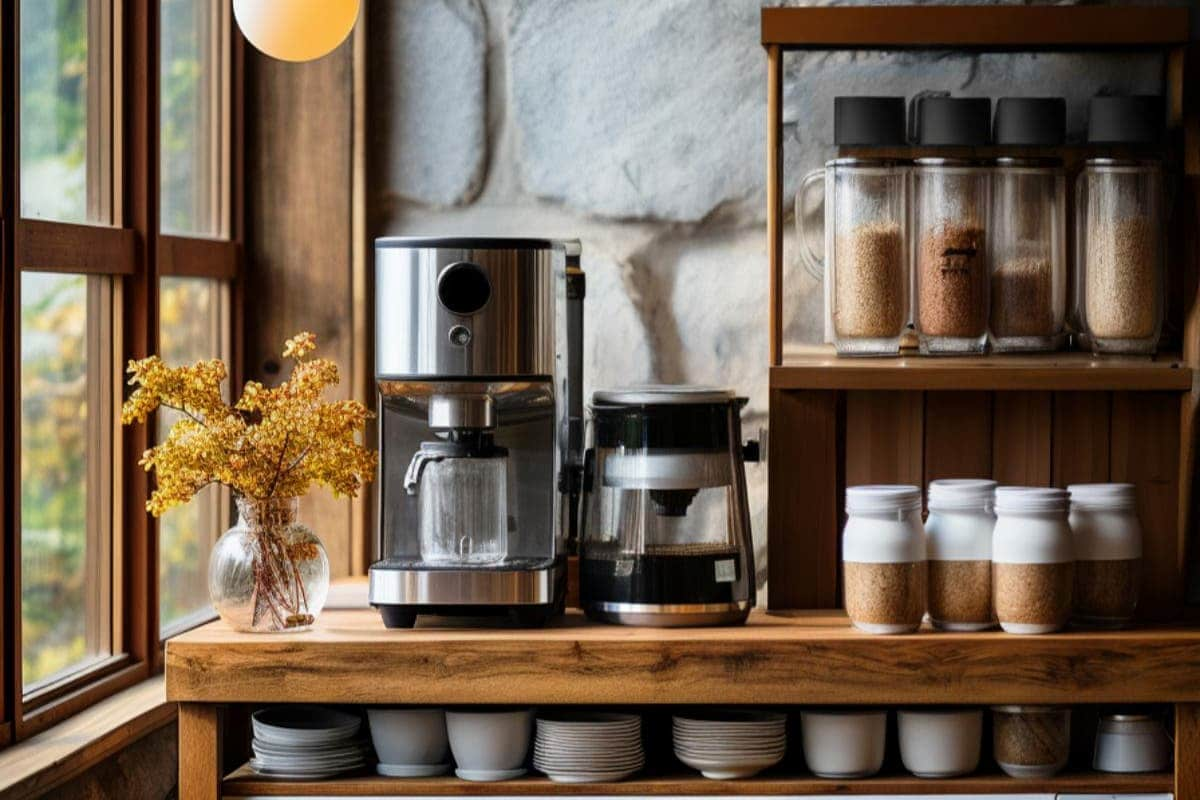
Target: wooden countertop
{"points": [[791, 658]]}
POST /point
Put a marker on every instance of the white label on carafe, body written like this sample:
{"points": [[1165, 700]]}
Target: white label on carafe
{"points": [[726, 570]]}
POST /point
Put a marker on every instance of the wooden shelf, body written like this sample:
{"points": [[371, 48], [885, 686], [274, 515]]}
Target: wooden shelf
{"points": [[821, 368], [974, 27], [803, 657], [243, 783]]}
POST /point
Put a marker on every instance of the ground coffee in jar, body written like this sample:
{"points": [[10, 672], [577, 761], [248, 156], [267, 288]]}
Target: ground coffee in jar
{"points": [[1031, 741], [1032, 560], [958, 544], [883, 553], [1108, 553]]}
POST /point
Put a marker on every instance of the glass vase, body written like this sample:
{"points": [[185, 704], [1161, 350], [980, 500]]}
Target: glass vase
{"points": [[268, 573]]}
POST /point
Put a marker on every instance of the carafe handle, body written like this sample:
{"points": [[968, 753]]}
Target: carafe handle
{"points": [[814, 262], [412, 476]]}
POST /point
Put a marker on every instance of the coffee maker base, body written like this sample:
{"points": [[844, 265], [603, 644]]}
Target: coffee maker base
{"points": [[671, 615], [529, 595]]}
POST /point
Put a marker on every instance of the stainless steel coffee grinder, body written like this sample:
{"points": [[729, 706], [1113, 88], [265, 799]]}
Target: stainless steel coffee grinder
{"points": [[477, 352]]}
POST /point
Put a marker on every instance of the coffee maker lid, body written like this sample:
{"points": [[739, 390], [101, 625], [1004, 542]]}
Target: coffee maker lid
{"points": [[663, 395]]}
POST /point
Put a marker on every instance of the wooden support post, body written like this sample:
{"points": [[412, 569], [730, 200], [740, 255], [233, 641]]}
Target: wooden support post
{"points": [[1187, 751], [775, 195], [200, 771]]}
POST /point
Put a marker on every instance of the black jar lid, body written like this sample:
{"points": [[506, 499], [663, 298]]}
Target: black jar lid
{"points": [[1031, 121], [952, 121], [868, 121], [1125, 119]]}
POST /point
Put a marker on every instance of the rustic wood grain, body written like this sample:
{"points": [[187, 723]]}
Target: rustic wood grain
{"points": [[883, 437], [298, 235], [820, 368], [958, 435], [1145, 452], [1021, 438], [200, 770], [801, 657], [244, 783], [1080, 447], [1187, 751], [804, 500]]}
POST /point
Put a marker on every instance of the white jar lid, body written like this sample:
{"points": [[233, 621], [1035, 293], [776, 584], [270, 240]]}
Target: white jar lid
{"points": [[1015, 499], [882, 499], [961, 494], [1103, 495]]}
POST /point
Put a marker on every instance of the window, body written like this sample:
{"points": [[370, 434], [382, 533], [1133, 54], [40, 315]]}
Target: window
{"points": [[194, 143], [194, 315], [66, 110], [66, 474], [197, 262], [88, 282]]}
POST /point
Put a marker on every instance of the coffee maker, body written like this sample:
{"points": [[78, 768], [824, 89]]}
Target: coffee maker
{"points": [[477, 352]]}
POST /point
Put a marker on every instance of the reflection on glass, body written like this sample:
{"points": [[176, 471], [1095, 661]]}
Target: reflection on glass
{"points": [[192, 327], [190, 117], [54, 109], [64, 570]]}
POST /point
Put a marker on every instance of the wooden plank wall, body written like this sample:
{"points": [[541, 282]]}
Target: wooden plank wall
{"points": [[299, 162], [823, 441]]}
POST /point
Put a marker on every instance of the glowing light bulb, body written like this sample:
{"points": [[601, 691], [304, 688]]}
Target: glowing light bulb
{"points": [[296, 30]]}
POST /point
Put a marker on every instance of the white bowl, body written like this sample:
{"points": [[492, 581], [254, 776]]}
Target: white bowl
{"points": [[408, 736], [940, 743], [844, 744], [489, 741]]}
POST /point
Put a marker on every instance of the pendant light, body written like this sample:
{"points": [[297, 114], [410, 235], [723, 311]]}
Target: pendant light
{"points": [[296, 30]]}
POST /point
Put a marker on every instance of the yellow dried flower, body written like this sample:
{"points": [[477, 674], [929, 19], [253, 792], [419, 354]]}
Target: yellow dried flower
{"points": [[273, 442]]}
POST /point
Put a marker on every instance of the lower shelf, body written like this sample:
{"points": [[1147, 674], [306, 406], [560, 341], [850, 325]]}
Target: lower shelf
{"points": [[244, 782]]}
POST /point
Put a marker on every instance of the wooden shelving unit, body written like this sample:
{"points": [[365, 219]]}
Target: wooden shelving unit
{"points": [[244, 783], [1053, 419], [782, 660]]}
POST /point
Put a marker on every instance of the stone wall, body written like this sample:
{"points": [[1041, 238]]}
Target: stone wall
{"points": [[639, 127]]}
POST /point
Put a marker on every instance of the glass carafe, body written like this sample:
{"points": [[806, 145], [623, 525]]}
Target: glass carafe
{"points": [[865, 263], [463, 493], [1028, 293], [950, 310], [1119, 254]]}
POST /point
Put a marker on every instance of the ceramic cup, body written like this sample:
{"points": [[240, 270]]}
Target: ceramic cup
{"points": [[489, 741], [409, 736], [940, 743], [844, 743], [1131, 743]]}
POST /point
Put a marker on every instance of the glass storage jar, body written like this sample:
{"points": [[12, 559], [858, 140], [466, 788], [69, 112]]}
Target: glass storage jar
{"points": [[950, 221], [958, 544], [883, 557], [1028, 292], [1108, 553], [1031, 741], [1032, 560], [865, 261], [1119, 228]]}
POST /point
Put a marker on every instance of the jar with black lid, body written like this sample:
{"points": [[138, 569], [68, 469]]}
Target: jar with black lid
{"points": [[950, 225], [1028, 286], [864, 264], [1119, 227]]}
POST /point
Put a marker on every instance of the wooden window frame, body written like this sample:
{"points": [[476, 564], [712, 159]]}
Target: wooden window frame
{"points": [[130, 250]]}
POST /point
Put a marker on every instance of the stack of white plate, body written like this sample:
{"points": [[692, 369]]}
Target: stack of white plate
{"points": [[305, 742], [725, 745], [588, 747]]}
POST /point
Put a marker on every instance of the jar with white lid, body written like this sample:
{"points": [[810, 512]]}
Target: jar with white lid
{"points": [[1108, 553], [883, 555], [1033, 561], [958, 544]]}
